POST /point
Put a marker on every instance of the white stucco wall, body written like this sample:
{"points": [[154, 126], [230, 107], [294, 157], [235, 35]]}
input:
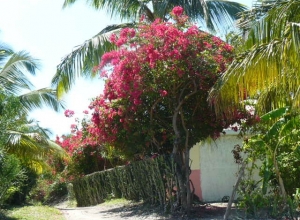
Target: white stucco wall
{"points": [[218, 168]]}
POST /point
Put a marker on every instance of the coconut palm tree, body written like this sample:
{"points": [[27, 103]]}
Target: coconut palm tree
{"points": [[212, 14], [268, 69], [19, 136]]}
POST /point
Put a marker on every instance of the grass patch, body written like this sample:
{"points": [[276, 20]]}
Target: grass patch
{"points": [[32, 212]]}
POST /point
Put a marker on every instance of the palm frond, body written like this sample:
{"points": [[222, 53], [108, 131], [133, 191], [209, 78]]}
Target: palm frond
{"points": [[125, 9], [270, 66], [32, 147], [40, 98], [215, 15], [81, 61], [13, 74], [223, 14], [145, 10], [5, 52], [257, 12]]}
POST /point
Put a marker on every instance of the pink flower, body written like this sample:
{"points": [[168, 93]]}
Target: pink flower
{"points": [[257, 118], [228, 47], [69, 113], [207, 45], [113, 38], [85, 112], [177, 11], [163, 93]]}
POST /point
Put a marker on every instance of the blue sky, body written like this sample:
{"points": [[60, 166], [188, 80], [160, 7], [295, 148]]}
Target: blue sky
{"points": [[49, 32]]}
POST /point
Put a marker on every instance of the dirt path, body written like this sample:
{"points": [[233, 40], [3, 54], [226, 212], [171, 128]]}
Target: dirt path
{"points": [[134, 211], [90, 213], [121, 210]]}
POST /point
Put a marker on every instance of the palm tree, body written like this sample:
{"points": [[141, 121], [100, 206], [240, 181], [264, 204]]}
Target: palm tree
{"points": [[19, 136], [213, 14], [268, 69]]}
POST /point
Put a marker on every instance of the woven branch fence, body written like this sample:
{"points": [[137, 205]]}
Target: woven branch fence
{"points": [[152, 181]]}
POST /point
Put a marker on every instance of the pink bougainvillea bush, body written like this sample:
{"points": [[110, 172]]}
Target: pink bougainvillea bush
{"points": [[155, 96], [157, 83], [86, 154]]}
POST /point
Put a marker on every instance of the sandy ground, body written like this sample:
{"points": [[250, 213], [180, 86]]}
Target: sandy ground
{"points": [[134, 211], [109, 212]]}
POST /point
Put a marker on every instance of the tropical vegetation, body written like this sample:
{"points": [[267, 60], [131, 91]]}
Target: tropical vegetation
{"points": [[213, 15], [23, 137], [276, 147], [159, 72], [24, 145], [266, 75], [268, 68], [153, 81]]}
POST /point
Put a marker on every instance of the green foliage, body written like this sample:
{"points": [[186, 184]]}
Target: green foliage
{"points": [[15, 67], [270, 206], [269, 67], [276, 147], [12, 176], [19, 197], [149, 180], [50, 187], [10, 115], [297, 198], [89, 159]]}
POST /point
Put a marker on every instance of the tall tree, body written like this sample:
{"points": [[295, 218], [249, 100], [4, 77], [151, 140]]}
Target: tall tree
{"points": [[155, 96], [268, 69], [214, 15], [21, 136]]}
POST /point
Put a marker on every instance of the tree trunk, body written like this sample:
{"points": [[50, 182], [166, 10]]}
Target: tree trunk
{"points": [[241, 174], [181, 158], [182, 174], [187, 179]]}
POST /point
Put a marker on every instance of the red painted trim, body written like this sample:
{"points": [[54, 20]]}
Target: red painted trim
{"points": [[195, 177]]}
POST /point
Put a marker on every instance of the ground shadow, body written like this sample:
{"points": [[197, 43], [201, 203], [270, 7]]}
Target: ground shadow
{"points": [[3, 216], [142, 211]]}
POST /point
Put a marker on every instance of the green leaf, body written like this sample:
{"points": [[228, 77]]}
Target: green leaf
{"points": [[274, 114], [266, 175], [39, 98], [274, 131]]}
